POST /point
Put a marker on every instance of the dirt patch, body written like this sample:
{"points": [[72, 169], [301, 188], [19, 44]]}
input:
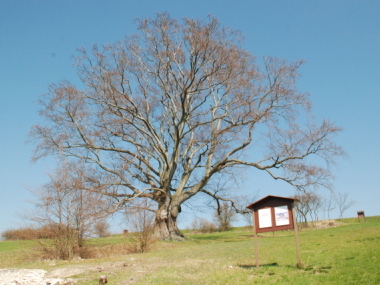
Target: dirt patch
{"points": [[28, 277], [68, 275], [326, 224]]}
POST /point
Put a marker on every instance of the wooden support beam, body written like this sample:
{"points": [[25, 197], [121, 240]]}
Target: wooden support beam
{"points": [[256, 244], [299, 264]]}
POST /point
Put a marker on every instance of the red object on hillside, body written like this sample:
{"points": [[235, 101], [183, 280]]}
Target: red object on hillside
{"points": [[273, 213]]}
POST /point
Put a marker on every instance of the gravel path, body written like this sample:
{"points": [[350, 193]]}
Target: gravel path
{"points": [[27, 277]]}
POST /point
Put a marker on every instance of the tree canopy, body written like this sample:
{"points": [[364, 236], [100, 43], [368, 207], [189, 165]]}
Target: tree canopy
{"points": [[163, 113]]}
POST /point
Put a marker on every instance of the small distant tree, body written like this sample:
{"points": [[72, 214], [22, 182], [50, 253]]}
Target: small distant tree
{"points": [[343, 203], [329, 204], [316, 207], [102, 229], [247, 216], [66, 211], [308, 205], [202, 225], [141, 223], [224, 215], [243, 202]]}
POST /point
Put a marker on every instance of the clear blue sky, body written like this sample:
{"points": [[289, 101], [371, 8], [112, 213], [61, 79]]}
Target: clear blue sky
{"points": [[340, 41]]}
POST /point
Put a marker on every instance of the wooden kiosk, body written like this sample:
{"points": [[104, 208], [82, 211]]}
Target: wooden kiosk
{"points": [[361, 215], [274, 213]]}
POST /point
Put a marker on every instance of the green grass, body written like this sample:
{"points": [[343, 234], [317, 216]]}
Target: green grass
{"points": [[115, 239], [348, 254], [13, 253]]}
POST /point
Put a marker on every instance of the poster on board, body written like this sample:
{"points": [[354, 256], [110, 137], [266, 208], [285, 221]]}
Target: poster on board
{"points": [[265, 218], [281, 215]]}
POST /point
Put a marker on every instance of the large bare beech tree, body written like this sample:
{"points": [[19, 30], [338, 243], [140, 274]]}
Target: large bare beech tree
{"points": [[163, 113]]}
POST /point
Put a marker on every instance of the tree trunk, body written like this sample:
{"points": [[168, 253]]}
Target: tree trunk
{"points": [[165, 225]]}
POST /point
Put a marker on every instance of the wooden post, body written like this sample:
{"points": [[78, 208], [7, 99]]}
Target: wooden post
{"points": [[274, 213], [296, 236], [256, 244]]}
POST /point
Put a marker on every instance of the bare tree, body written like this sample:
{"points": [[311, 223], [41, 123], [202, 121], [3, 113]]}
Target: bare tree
{"points": [[141, 222], [329, 204], [224, 216], [202, 225], [67, 211], [165, 112], [316, 207], [102, 229], [308, 204], [343, 203], [243, 201]]}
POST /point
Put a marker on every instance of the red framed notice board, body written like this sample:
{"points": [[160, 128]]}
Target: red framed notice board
{"points": [[273, 213]]}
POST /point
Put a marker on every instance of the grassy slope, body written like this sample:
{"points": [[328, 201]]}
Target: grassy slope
{"points": [[13, 253], [349, 254]]}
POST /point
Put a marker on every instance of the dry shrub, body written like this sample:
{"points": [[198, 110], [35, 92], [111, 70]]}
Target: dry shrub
{"points": [[203, 226], [31, 233], [105, 251], [102, 229], [140, 242], [224, 216], [141, 223], [28, 233], [55, 249], [91, 252], [59, 248], [134, 243], [19, 234], [48, 250], [65, 242]]}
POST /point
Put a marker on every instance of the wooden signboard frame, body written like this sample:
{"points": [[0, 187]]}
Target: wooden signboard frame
{"points": [[361, 215], [274, 213]]}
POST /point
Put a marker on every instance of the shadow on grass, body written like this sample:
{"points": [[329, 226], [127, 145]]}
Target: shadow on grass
{"points": [[275, 264], [311, 268], [250, 266], [317, 269]]}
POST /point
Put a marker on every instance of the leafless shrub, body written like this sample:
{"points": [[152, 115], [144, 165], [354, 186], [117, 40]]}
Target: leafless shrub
{"points": [[46, 250], [329, 204], [104, 251], [64, 243], [308, 205], [343, 202], [27, 233], [68, 212], [141, 223], [19, 234], [224, 216], [102, 229], [203, 226], [88, 252]]}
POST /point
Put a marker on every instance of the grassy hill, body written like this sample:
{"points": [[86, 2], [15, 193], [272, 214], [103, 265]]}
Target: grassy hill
{"points": [[346, 254]]}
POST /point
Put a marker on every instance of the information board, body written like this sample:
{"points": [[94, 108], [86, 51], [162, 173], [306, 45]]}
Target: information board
{"points": [[265, 218], [282, 215]]}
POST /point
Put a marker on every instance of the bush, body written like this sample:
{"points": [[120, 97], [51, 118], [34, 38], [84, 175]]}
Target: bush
{"points": [[20, 234], [140, 242], [224, 216], [142, 238], [203, 226], [31, 233], [63, 243], [102, 229]]}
